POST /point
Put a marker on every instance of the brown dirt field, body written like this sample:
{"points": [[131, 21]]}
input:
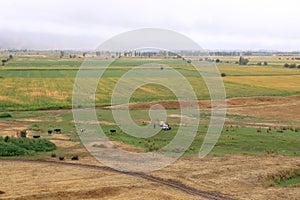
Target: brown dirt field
{"points": [[95, 122], [233, 102], [238, 176], [43, 181], [30, 119], [127, 147], [56, 112], [11, 129], [64, 144], [269, 107], [274, 108]]}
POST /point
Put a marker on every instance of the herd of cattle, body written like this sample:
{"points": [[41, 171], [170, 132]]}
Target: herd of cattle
{"points": [[164, 126], [57, 130]]}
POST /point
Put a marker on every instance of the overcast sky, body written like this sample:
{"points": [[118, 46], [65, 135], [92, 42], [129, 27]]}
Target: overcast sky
{"points": [[214, 24]]}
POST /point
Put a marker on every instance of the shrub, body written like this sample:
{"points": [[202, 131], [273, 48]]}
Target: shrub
{"points": [[23, 133], [9, 149], [243, 61], [5, 115], [265, 63], [259, 64], [6, 138], [53, 155], [298, 66], [286, 65], [223, 74], [75, 157], [258, 130], [61, 157], [33, 144], [292, 65], [217, 60]]}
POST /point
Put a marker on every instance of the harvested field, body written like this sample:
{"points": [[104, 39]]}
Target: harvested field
{"points": [[290, 83], [236, 176], [273, 108], [52, 181], [269, 107]]}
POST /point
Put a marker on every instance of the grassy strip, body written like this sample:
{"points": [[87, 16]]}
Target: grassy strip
{"points": [[285, 178]]}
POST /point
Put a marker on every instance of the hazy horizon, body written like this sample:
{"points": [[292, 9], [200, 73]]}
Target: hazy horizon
{"points": [[214, 25]]}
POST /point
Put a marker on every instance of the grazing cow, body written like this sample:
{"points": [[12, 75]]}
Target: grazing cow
{"points": [[112, 131], [36, 136], [57, 130], [50, 132]]}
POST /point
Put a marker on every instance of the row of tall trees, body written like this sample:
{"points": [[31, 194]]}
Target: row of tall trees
{"points": [[286, 65], [62, 54], [4, 61]]}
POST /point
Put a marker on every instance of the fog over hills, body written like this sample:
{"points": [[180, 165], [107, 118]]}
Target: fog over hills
{"points": [[216, 24]]}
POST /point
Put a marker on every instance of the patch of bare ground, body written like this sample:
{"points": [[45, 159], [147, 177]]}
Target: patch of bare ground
{"points": [[95, 122], [64, 144], [274, 108], [57, 112], [166, 104], [30, 119], [127, 147], [269, 107], [239, 176], [49, 181], [11, 129]]}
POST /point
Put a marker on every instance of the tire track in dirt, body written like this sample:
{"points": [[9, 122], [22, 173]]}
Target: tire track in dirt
{"points": [[175, 185]]}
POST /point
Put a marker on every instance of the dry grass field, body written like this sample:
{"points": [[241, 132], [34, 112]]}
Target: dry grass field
{"points": [[288, 83], [237, 176], [33, 181]]}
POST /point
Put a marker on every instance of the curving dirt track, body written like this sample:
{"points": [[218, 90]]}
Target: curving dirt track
{"points": [[174, 185]]}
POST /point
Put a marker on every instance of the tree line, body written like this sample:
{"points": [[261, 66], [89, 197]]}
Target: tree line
{"points": [[286, 65]]}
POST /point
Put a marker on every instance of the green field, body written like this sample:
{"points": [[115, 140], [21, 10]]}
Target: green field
{"points": [[233, 140], [47, 83]]}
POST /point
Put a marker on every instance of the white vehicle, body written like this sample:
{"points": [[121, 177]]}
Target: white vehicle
{"points": [[166, 127]]}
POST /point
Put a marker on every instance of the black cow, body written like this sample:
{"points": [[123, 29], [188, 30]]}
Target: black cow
{"points": [[50, 132], [57, 130], [113, 131], [36, 136]]}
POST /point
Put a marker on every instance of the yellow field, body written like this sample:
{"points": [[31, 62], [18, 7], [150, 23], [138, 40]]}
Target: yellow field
{"points": [[288, 83], [256, 70]]}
